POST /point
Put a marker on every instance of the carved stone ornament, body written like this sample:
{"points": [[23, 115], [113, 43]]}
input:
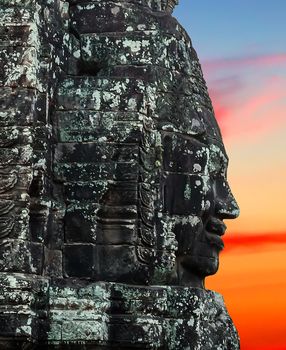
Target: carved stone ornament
{"points": [[113, 188], [170, 5]]}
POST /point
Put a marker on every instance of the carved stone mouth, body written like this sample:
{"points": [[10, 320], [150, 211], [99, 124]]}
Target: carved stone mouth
{"points": [[216, 226], [214, 239]]}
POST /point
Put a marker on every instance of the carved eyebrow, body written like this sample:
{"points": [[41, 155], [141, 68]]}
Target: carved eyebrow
{"points": [[204, 142], [198, 138]]}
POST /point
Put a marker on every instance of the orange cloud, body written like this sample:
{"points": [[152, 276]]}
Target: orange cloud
{"points": [[242, 240]]}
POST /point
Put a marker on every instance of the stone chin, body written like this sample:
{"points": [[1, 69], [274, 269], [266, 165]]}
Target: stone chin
{"points": [[192, 269], [203, 266]]}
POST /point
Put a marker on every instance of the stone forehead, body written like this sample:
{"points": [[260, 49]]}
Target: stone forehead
{"points": [[184, 117]]}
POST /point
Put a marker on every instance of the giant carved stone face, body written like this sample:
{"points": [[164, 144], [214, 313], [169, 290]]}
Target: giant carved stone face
{"points": [[197, 195], [139, 154]]}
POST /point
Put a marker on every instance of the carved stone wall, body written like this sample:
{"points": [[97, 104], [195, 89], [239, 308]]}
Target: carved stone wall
{"points": [[36, 51], [104, 179]]}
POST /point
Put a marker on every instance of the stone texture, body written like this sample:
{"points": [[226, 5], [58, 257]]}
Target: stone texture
{"points": [[113, 182], [113, 315]]}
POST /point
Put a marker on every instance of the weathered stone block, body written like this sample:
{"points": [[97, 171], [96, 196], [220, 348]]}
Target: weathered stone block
{"points": [[99, 152], [153, 336], [189, 158], [120, 194], [130, 49], [101, 95], [79, 260], [85, 190], [19, 67], [118, 214], [120, 171], [18, 12], [11, 35], [127, 132], [119, 261], [21, 256], [53, 263], [80, 223], [22, 107], [192, 192], [118, 233], [118, 17]]}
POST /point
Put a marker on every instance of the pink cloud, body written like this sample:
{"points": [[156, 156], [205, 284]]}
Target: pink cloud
{"points": [[225, 63], [262, 111], [248, 99]]}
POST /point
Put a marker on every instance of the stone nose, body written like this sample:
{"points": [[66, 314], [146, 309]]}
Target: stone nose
{"points": [[227, 208]]}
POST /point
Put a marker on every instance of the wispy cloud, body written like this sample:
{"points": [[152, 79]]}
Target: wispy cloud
{"points": [[261, 112], [248, 93], [235, 62]]}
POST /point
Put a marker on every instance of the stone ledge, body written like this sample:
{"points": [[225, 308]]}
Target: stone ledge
{"points": [[72, 311]]}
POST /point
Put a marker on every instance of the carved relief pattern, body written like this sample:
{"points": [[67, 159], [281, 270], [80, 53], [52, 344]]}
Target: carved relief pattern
{"points": [[16, 134], [146, 251], [32, 64], [103, 125]]}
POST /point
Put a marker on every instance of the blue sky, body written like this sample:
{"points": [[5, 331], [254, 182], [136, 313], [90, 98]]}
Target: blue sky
{"points": [[234, 27]]}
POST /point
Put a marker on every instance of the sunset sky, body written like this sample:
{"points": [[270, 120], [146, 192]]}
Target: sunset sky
{"points": [[242, 48]]}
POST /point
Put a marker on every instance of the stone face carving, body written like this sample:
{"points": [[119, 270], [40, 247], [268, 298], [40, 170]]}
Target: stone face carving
{"points": [[113, 186]]}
